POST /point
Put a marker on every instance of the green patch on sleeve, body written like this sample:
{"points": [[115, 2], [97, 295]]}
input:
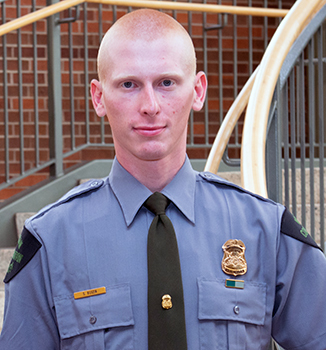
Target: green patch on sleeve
{"points": [[292, 227], [26, 248]]}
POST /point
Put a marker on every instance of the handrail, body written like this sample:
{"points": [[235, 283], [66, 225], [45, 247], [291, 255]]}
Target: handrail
{"points": [[66, 4], [38, 15], [228, 124], [170, 5], [253, 173]]}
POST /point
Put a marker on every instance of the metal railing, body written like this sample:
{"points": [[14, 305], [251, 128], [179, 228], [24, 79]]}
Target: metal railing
{"points": [[46, 133], [284, 140], [295, 168]]}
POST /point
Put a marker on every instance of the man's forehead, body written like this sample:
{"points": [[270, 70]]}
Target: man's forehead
{"points": [[155, 58], [162, 46]]}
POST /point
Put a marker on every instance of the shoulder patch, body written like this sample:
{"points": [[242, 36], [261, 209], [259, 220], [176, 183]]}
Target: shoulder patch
{"points": [[291, 227], [26, 248]]}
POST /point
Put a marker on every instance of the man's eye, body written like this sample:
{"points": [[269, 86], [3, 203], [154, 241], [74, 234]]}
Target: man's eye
{"points": [[128, 84], [167, 83]]}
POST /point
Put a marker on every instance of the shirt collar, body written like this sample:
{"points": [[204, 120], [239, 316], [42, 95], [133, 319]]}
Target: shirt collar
{"points": [[181, 190], [131, 194]]}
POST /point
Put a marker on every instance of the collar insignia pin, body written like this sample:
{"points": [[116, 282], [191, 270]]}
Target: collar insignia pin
{"points": [[234, 261]]}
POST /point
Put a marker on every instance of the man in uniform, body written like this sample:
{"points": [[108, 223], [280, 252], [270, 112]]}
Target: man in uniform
{"points": [[81, 276]]}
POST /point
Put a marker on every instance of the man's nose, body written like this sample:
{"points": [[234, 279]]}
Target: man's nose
{"points": [[149, 104]]}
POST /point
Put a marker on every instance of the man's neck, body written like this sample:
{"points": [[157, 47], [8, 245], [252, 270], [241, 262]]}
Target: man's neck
{"points": [[155, 175]]}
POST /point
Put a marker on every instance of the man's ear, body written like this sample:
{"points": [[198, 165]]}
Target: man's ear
{"points": [[200, 91], [96, 92]]}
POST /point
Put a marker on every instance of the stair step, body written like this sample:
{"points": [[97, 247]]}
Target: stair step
{"points": [[316, 182], [20, 219], [232, 176], [5, 258]]}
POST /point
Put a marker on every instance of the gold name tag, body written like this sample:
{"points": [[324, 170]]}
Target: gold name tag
{"points": [[89, 293]]}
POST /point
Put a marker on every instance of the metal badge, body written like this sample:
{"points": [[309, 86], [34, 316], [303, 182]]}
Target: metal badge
{"points": [[166, 302], [234, 261]]}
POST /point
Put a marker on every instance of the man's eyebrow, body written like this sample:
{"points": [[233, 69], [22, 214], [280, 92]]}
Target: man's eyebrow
{"points": [[124, 77], [167, 74], [172, 75]]}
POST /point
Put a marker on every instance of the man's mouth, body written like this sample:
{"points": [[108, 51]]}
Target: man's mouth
{"points": [[149, 130]]}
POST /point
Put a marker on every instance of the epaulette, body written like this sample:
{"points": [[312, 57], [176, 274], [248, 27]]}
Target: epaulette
{"points": [[210, 177], [77, 191], [290, 226]]}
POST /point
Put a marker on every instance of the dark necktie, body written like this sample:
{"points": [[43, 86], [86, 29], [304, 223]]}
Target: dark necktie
{"points": [[166, 320]]}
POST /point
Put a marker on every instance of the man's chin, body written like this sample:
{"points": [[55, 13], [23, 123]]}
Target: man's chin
{"points": [[152, 154]]}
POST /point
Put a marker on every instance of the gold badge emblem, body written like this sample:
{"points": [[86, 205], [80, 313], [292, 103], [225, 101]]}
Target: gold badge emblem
{"points": [[166, 302], [234, 261]]}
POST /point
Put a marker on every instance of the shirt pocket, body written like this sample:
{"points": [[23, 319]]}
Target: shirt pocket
{"points": [[231, 318], [92, 322]]}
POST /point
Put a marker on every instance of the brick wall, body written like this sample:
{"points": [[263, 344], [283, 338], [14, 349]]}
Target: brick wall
{"points": [[76, 106]]}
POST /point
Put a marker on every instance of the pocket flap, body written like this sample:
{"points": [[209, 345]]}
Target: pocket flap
{"points": [[77, 316], [216, 302]]}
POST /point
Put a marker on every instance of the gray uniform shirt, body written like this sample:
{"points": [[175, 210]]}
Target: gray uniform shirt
{"points": [[96, 236]]}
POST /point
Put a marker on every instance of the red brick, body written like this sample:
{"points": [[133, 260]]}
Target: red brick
{"points": [[31, 180], [105, 153], [199, 129], [9, 192]]}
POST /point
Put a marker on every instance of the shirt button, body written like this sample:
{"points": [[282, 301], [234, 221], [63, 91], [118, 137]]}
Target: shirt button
{"points": [[236, 309], [95, 183], [92, 320]]}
